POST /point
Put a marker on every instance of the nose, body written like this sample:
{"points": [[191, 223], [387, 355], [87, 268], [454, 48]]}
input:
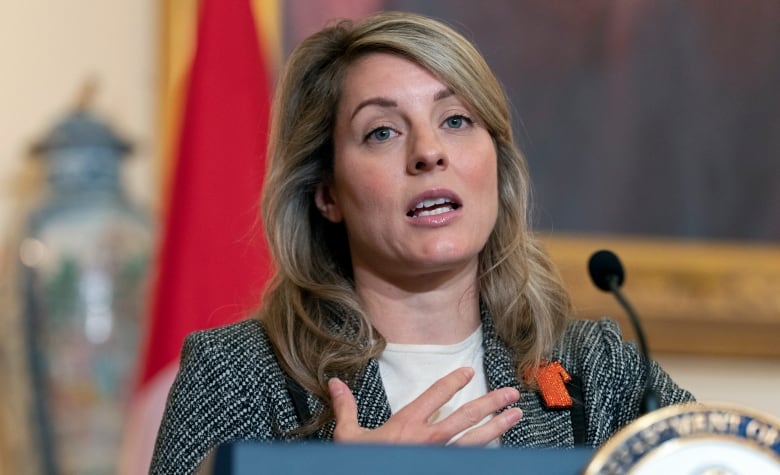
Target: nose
{"points": [[426, 152]]}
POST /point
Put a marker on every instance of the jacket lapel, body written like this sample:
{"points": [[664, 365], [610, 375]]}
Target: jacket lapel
{"points": [[539, 426], [372, 405]]}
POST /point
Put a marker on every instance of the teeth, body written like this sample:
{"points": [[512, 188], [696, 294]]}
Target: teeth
{"points": [[429, 203], [432, 207], [435, 211]]}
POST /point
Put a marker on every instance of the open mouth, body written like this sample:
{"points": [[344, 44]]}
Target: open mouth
{"points": [[432, 207]]}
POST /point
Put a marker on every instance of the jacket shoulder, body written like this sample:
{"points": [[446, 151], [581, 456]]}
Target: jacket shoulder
{"points": [[612, 375], [245, 341], [229, 387]]}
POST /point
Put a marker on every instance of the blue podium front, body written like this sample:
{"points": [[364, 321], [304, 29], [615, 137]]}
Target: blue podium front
{"points": [[243, 458]]}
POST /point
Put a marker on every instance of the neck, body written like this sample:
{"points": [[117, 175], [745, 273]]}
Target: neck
{"points": [[440, 308]]}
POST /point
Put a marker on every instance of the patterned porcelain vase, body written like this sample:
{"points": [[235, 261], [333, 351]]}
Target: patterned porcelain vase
{"points": [[84, 263]]}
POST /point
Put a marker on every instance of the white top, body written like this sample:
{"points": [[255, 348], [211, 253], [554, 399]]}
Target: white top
{"points": [[408, 370]]}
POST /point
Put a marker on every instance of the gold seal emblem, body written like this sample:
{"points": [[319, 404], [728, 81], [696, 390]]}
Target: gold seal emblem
{"points": [[693, 439]]}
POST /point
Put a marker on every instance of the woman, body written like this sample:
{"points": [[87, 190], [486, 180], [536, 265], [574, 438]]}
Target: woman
{"points": [[410, 302]]}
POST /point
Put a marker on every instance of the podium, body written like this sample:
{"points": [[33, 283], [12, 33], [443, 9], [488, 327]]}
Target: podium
{"points": [[323, 458], [684, 439]]}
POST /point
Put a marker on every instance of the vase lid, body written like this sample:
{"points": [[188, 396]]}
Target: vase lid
{"points": [[81, 129]]}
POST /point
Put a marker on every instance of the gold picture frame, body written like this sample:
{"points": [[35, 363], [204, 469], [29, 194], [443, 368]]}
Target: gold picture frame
{"points": [[694, 297]]}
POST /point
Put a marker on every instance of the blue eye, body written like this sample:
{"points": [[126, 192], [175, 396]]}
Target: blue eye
{"points": [[380, 134], [456, 121]]}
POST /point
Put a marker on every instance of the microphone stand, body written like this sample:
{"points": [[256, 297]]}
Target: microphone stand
{"points": [[649, 401]]}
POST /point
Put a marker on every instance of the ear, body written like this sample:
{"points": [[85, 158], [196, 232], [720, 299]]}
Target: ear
{"points": [[324, 201]]}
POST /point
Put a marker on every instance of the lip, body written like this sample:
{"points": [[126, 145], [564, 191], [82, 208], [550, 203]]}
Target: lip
{"points": [[436, 219]]}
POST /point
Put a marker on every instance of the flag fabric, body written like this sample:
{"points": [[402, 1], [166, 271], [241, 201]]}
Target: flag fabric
{"points": [[212, 262]]}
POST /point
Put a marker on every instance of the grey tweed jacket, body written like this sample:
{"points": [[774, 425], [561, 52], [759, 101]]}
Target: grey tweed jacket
{"points": [[230, 387]]}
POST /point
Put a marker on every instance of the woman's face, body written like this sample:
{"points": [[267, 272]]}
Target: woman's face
{"points": [[414, 172]]}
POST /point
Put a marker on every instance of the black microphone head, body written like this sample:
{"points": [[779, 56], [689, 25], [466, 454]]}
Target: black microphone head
{"points": [[604, 266]]}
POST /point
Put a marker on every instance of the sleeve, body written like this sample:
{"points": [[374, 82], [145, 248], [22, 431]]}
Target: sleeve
{"points": [[206, 407], [614, 372]]}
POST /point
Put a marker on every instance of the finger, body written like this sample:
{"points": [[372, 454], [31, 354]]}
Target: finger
{"points": [[344, 409], [438, 394], [492, 429], [473, 412]]}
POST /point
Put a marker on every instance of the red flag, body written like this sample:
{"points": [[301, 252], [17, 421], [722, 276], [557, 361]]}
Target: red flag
{"points": [[212, 261]]}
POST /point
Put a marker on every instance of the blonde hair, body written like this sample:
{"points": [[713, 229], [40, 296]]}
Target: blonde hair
{"points": [[310, 310]]}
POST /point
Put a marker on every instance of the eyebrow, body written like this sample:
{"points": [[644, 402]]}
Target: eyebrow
{"points": [[385, 102], [374, 101], [443, 94]]}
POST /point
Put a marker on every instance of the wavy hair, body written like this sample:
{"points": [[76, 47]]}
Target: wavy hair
{"points": [[310, 310]]}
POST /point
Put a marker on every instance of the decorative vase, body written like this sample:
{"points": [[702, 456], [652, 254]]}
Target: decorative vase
{"points": [[84, 270]]}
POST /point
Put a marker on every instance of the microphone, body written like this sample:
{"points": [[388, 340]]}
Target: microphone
{"points": [[607, 274]]}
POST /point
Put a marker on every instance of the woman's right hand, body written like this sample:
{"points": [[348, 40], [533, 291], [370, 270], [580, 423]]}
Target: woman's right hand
{"points": [[412, 424]]}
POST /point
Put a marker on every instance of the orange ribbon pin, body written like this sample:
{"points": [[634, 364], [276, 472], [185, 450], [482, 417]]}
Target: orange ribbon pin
{"points": [[552, 378]]}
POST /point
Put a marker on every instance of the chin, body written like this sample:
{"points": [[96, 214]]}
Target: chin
{"points": [[441, 261]]}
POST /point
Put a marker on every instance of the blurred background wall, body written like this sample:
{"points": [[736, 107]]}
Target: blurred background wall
{"points": [[574, 75], [50, 51]]}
